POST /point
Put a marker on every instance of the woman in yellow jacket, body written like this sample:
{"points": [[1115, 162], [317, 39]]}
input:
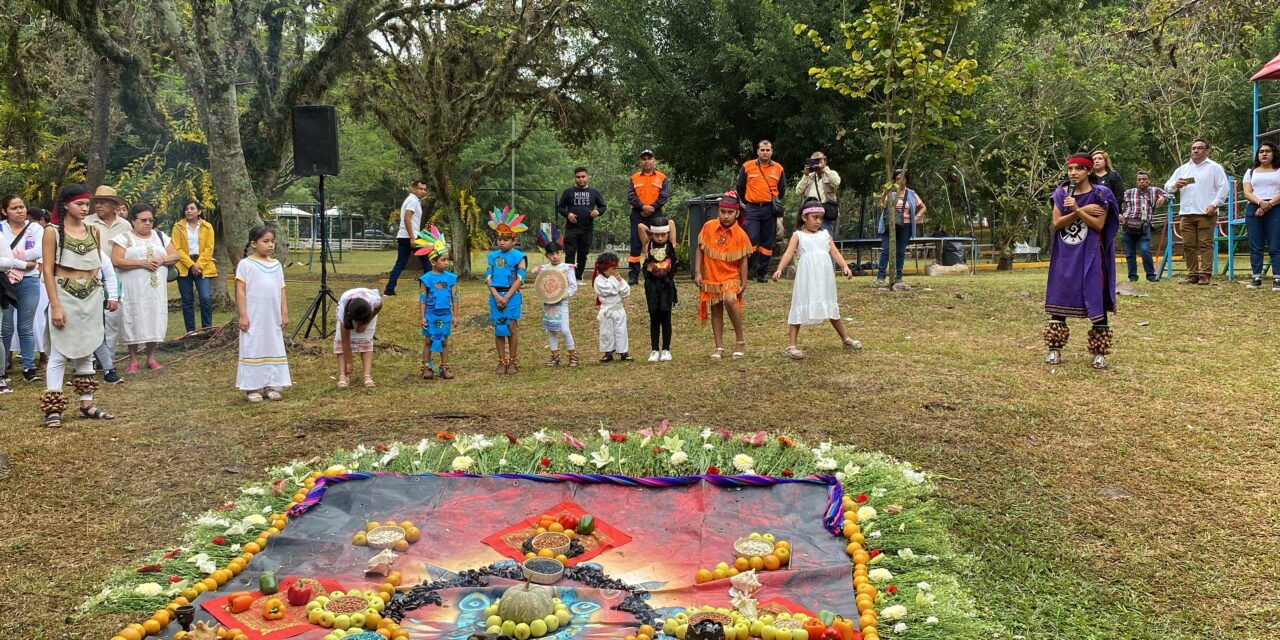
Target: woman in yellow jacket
{"points": [[193, 238]]}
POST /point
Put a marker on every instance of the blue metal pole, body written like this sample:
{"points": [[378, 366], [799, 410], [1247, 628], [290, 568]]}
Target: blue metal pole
{"points": [[1257, 129]]}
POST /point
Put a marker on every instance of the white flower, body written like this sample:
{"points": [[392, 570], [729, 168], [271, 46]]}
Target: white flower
{"points": [[577, 459], [743, 462], [672, 443], [480, 442], [255, 520], [604, 434], [206, 566], [266, 509], [211, 521], [678, 458], [602, 457], [900, 627], [706, 433], [875, 534], [924, 586], [708, 446], [851, 469], [824, 446], [353, 465], [198, 558], [235, 548], [176, 588], [931, 620], [254, 491], [462, 444], [925, 599], [878, 492], [360, 450], [866, 513], [422, 447], [148, 589], [895, 612], [880, 574], [541, 436], [462, 463], [502, 462], [906, 554], [825, 464], [237, 529], [912, 476]]}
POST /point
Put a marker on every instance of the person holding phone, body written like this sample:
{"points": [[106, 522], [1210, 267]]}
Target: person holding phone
{"points": [[1201, 187]]}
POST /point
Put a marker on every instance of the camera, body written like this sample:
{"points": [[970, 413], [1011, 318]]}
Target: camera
{"points": [[812, 163]]}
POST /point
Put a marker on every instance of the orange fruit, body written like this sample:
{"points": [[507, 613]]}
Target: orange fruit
{"points": [[392, 523], [703, 575], [386, 597], [272, 530], [151, 627], [571, 534], [412, 534], [161, 616], [859, 580], [563, 558], [643, 636], [852, 548], [394, 578], [540, 531], [372, 525], [783, 553], [189, 594], [860, 557], [556, 527], [199, 587], [210, 584], [629, 637], [406, 525], [858, 538], [647, 631], [756, 563], [530, 555], [371, 620], [262, 541], [401, 545], [771, 562], [182, 601], [546, 553], [384, 633], [782, 544], [742, 564], [252, 547], [130, 634]]}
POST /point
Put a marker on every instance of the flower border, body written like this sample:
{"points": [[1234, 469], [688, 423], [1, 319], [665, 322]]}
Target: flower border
{"points": [[900, 548]]}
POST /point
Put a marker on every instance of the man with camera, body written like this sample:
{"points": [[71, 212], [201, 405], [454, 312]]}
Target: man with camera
{"points": [[821, 183]]}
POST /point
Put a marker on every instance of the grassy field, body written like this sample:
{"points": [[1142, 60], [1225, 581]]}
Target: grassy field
{"points": [[1139, 502]]}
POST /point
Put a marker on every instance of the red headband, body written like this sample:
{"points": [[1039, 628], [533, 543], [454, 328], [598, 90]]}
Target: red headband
{"points": [[80, 196], [1084, 161]]}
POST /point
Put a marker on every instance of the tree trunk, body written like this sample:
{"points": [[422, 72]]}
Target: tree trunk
{"points": [[100, 136], [237, 201]]}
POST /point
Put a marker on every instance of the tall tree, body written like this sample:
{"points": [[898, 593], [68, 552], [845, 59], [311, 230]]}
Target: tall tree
{"points": [[435, 83], [898, 57]]}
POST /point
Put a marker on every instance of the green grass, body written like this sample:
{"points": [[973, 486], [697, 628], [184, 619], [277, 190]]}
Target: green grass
{"points": [[951, 378]]}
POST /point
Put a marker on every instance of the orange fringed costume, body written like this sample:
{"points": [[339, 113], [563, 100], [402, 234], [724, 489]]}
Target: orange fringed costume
{"points": [[722, 252]]}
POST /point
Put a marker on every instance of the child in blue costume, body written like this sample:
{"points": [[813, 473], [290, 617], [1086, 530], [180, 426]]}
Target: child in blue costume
{"points": [[437, 302], [505, 276]]}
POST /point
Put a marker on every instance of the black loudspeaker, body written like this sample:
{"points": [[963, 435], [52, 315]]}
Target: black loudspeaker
{"points": [[315, 140]]}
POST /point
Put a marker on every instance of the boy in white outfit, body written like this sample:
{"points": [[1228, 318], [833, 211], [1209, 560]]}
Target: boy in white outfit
{"points": [[611, 290]]}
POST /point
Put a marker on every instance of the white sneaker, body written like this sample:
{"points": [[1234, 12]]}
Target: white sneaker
{"points": [[653, 356], [666, 356]]}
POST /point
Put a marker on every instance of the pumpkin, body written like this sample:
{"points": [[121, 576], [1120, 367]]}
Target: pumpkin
{"points": [[526, 603]]}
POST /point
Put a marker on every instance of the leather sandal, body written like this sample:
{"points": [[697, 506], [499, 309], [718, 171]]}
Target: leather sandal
{"points": [[92, 412]]}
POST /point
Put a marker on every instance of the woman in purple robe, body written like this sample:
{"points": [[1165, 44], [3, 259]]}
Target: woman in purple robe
{"points": [[1082, 268]]}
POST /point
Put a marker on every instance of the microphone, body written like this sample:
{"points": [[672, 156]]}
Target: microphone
{"points": [[1070, 187]]}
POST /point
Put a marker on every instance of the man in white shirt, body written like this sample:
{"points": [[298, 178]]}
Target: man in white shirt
{"points": [[406, 231], [1201, 187], [109, 219]]}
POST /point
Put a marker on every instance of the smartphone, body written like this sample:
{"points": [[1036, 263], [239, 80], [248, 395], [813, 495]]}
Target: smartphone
{"points": [[1190, 179]]}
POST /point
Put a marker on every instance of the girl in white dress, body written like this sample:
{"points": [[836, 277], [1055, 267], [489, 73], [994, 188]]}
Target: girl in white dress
{"points": [[813, 297], [264, 312], [140, 257], [357, 323]]}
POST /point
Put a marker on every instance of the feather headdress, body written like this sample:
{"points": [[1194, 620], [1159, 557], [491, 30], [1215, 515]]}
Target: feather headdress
{"points": [[431, 243], [506, 222], [549, 237]]}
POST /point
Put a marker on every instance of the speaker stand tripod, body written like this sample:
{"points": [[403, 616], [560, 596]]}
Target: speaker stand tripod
{"points": [[317, 315]]}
